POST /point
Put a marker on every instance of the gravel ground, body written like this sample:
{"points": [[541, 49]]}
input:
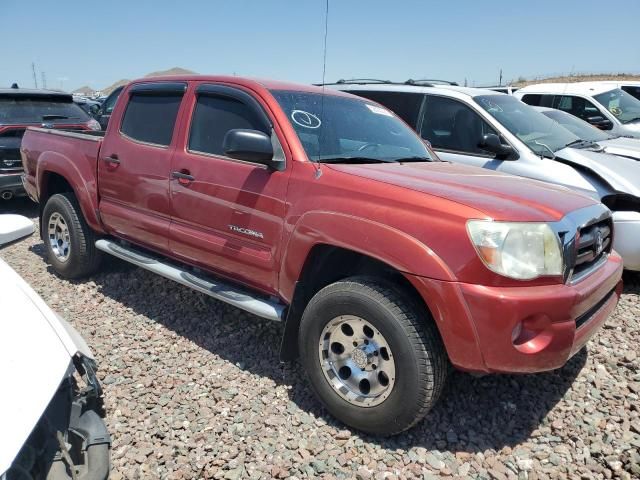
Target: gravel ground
{"points": [[194, 389]]}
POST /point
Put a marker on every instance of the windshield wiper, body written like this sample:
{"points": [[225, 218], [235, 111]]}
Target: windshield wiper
{"points": [[579, 141], [544, 145], [413, 159], [54, 117], [354, 160], [631, 120]]}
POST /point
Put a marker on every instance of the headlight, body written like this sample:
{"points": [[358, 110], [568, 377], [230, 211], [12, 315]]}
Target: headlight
{"points": [[517, 250], [93, 125]]}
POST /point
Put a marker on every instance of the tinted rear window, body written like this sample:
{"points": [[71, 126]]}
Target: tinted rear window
{"points": [[151, 118], [19, 109]]}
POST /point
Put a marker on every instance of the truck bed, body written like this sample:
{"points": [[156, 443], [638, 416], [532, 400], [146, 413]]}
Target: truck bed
{"points": [[42, 147]]}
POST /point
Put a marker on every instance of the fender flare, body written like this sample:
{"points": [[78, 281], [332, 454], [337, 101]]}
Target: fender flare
{"points": [[85, 190], [393, 247]]}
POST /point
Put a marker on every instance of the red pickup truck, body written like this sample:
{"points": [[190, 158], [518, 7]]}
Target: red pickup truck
{"points": [[325, 211]]}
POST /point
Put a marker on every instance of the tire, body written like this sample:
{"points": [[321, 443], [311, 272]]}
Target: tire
{"points": [[415, 377], [76, 257]]}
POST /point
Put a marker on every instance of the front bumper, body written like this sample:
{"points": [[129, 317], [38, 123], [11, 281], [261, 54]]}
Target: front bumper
{"points": [[521, 329], [626, 238], [11, 182]]}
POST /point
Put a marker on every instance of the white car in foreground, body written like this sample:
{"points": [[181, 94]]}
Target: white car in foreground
{"points": [[50, 401]]}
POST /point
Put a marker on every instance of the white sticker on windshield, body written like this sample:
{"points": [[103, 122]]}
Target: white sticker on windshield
{"points": [[305, 119], [379, 110]]}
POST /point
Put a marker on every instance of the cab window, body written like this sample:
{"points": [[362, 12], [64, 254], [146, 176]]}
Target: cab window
{"points": [[150, 118]]}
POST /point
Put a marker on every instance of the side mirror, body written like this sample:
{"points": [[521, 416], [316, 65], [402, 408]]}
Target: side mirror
{"points": [[251, 146], [600, 122], [94, 110], [14, 228], [491, 143]]}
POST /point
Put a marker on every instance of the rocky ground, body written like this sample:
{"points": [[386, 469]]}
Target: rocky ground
{"points": [[194, 389]]}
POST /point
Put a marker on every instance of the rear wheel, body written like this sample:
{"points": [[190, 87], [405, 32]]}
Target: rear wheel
{"points": [[373, 357], [69, 241]]}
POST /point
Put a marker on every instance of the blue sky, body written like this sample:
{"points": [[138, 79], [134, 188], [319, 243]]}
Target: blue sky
{"points": [[97, 43]]}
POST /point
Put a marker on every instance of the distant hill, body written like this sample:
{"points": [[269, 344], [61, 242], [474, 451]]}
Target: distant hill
{"points": [[86, 90], [595, 77]]}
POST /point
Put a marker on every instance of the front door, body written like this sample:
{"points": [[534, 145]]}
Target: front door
{"points": [[135, 163], [227, 214]]}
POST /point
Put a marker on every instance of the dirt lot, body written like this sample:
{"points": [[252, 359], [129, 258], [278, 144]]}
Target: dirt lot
{"points": [[194, 389]]}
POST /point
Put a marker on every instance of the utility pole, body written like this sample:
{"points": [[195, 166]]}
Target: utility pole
{"points": [[465, 81], [500, 81], [44, 79], [33, 69]]}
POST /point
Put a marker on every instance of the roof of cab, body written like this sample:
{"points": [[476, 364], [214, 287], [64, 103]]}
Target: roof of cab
{"points": [[577, 88], [244, 81], [449, 90]]}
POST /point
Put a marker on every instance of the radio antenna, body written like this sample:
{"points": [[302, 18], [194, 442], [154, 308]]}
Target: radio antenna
{"points": [[324, 72]]}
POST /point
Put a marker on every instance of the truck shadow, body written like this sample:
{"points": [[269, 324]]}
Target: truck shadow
{"points": [[474, 413]]}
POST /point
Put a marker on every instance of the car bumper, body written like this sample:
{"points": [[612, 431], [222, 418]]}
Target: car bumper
{"points": [[521, 329], [626, 238], [12, 183]]}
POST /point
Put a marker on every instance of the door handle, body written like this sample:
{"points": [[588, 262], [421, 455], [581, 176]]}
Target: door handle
{"points": [[113, 159], [184, 177]]}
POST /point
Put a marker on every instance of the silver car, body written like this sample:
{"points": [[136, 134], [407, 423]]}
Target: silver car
{"points": [[496, 131], [603, 142]]}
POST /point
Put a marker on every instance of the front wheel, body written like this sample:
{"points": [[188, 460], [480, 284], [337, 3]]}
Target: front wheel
{"points": [[373, 357], [69, 241]]}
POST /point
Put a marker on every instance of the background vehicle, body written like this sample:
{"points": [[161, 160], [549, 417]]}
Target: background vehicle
{"points": [[50, 407], [21, 108], [106, 108], [89, 106], [496, 131], [325, 211], [616, 145], [630, 86], [598, 103]]}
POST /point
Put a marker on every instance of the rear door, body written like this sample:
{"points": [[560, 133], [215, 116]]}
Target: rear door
{"points": [[135, 163], [227, 214]]}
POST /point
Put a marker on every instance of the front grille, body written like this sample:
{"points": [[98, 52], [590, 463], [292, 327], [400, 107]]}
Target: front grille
{"points": [[593, 244]]}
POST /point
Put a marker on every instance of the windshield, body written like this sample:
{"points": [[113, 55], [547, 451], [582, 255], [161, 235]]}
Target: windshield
{"points": [[623, 106], [539, 133], [337, 128], [579, 128], [25, 109]]}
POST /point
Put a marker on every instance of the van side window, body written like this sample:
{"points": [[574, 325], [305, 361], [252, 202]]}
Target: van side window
{"points": [[577, 106], [213, 117], [451, 125], [405, 105], [150, 118], [532, 99]]}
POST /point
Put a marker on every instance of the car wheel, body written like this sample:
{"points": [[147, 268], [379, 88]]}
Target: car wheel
{"points": [[69, 241], [373, 357]]}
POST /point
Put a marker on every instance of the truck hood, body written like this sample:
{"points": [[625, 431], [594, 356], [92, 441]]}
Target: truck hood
{"points": [[36, 350], [492, 194], [623, 146], [620, 173]]}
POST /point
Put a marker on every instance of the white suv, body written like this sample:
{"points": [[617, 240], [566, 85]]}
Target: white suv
{"points": [[602, 104], [492, 130]]}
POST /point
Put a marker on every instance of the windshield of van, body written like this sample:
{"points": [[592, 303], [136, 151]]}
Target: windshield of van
{"points": [[337, 129], [539, 133], [580, 128], [623, 106]]}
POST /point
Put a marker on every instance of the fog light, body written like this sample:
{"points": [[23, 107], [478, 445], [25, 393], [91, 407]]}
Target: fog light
{"points": [[533, 334]]}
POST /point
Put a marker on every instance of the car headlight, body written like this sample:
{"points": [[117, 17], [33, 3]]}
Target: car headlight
{"points": [[93, 125], [518, 250]]}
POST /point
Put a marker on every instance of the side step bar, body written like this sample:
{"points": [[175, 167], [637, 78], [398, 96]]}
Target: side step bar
{"points": [[268, 309]]}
